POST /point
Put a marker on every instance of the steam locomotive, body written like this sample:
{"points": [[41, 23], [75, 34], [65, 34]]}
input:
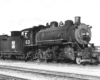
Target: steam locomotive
{"points": [[54, 42]]}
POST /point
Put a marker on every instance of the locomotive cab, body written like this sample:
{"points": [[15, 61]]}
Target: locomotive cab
{"points": [[26, 36]]}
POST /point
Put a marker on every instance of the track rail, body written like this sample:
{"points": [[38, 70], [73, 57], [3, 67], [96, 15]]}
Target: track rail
{"points": [[5, 77], [50, 73]]}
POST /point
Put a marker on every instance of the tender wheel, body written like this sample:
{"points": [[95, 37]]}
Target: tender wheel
{"points": [[78, 60], [95, 61]]}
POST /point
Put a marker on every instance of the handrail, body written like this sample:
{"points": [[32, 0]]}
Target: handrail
{"points": [[78, 46]]}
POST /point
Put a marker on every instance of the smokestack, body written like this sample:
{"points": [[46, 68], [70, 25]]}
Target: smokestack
{"points": [[77, 20]]}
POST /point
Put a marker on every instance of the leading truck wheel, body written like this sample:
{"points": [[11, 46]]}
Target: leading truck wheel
{"points": [[78, 60]]}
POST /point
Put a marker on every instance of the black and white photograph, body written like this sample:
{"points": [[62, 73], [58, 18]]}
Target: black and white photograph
{"points": [[49, 40]]}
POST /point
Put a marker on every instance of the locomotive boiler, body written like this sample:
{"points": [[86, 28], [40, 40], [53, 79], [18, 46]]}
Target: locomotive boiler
{"points": [[68, 41], [69, 32]]}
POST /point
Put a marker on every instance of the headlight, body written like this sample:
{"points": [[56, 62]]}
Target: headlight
{"points": [[87, 33]]}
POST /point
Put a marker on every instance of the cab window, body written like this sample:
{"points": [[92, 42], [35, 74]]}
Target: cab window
{"points": [[25, 34]]}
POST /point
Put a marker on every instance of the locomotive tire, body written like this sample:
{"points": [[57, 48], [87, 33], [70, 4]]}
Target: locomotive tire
{"points": [[78, 60]]}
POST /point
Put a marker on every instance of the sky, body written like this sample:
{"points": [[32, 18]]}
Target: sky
{"points": [[20, 14]]}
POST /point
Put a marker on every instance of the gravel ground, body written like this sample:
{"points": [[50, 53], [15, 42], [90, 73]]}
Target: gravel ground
{"points": [[43, 75], [33, 76], [50, 66]]}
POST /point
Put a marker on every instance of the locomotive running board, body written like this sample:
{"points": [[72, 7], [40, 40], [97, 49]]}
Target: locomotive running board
{"points": [[85, 60]]}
